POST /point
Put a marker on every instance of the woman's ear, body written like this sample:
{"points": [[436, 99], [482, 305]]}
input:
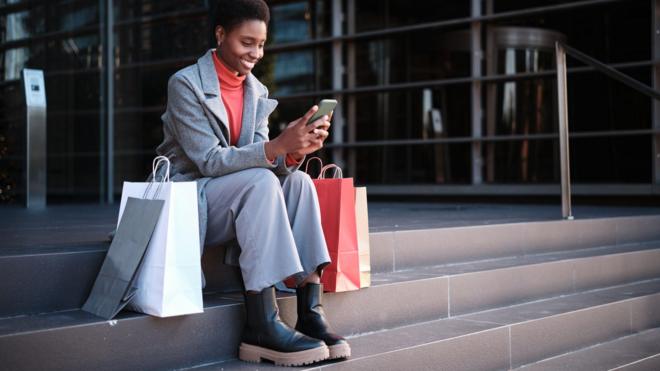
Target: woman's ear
{"points": [[219, 35]]}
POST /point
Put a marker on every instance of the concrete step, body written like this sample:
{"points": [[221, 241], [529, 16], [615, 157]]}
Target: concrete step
{"points": [[403, 249], [396, 299], [498, 339], [67, 263], [59, 277], [637, 351], [459, 288]]}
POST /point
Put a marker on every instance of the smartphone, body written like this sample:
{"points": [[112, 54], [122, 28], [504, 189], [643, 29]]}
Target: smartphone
{"points": [[326, 106]]}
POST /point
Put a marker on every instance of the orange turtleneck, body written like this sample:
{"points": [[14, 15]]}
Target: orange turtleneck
{"points": [[231, 91]]}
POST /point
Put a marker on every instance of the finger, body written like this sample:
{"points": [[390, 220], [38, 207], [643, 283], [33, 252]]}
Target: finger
{"points": [[330, 116], [303, 120], [319, 122], [325, 125], [321, 133]]}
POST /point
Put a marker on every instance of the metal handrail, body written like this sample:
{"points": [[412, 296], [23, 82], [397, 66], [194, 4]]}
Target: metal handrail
{"points": [[561, 50]]}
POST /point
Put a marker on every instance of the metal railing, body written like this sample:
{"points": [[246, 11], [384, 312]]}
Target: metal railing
{"points": [[561, 50]]}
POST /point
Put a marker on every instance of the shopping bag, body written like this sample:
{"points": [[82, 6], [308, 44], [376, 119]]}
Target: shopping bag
{"points": [[362, 226], [337, 205], [169, 281], [115, 284]]}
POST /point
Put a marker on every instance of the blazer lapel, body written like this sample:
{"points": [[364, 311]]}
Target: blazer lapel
{"points": [[255, 110], [211, 88]]}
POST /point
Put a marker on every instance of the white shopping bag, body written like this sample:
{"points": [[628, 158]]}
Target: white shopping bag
{"points": [[169, 279]]}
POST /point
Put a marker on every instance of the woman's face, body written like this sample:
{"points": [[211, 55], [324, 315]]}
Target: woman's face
{"points": [[243, 46]]}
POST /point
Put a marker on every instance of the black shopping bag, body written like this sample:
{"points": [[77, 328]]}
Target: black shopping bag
{"points": [[114, 288]]}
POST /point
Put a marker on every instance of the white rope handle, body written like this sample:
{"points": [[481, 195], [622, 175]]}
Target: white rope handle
{"points": [[155, 165], [331, 166], [310, 160]]}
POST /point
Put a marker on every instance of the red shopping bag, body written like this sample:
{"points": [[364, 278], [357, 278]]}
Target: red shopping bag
{"points": [[337, 204]]}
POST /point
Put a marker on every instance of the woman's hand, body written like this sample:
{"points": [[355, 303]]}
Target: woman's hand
{"points": [[299, 138]]}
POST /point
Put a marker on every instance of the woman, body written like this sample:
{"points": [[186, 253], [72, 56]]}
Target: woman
{"points": [[250, 188]]}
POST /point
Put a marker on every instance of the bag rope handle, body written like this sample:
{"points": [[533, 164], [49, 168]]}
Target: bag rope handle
{"points": [[334, 175], [310, 160], [155, 164]]}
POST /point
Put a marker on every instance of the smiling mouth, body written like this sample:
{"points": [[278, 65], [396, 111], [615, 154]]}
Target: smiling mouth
{"points": [[248, 65]]}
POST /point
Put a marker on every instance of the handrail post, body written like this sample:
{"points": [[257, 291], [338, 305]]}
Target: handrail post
{"points": [[562, 103]]}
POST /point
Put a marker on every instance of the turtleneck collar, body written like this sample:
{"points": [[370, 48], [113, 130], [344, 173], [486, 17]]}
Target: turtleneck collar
{"points": [[228, 79]]}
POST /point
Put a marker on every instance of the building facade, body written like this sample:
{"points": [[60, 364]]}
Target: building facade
{"points": [[451, 97]]}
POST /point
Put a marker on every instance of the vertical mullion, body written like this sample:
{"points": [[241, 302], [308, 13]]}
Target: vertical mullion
{"points": [[656, 84], [476, 57], [102, 99], [108, 56], [351, 108], [337, 82], [491, 94]]}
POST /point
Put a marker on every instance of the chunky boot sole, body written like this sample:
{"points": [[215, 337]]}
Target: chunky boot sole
{"points": [[339, 351], [253, 353]]}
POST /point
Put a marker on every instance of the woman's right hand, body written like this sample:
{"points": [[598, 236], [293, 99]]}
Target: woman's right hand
{"points": [[296, 137]]}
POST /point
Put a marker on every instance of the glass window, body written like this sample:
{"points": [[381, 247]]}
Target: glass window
{"points": [[71, 64], [300, 21], [126, 10]]}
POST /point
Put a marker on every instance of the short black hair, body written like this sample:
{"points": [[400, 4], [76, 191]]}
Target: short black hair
{"points": [[230, 13]]}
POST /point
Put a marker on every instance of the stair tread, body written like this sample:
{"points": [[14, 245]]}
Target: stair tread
{"points": [[56, 320], [508, 262], [565, 303], [607, 355], [391, 340]]}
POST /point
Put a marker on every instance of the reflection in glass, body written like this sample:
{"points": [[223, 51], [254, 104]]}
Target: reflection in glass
{"points": [[522, 107]]}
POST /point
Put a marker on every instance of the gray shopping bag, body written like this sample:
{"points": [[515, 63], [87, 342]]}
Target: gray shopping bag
{"points": [[114, 286]]}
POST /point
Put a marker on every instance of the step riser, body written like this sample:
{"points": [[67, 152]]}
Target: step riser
{"points": [[46, 283], [536, 340], [490, 289], [520, 343], [136, 344], [62, 281], [391, 251], [634, 351]]}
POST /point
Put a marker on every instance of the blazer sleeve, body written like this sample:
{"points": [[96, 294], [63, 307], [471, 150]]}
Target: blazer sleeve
{"points": [[261, 135], [194, 134]]}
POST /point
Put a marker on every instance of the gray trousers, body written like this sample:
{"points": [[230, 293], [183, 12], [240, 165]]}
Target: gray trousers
{"points": [[276, 221]]}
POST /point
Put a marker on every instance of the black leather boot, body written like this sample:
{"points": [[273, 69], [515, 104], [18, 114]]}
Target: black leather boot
{"points": [[266, 337], [312, 322]]}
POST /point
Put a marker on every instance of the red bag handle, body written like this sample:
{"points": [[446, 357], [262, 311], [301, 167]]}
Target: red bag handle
{"points": [[331, 166], [310, 160]]}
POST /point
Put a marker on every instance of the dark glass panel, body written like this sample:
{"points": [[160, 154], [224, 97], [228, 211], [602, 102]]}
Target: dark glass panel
{"points": [[300, 21], [70, 61], [419, 164], [524, 161], [137, 134], [162, 40], [408, 58], [381, 14], [73, 156], [598, 103], [297, 71], [611, 160], [131, 9], [614, 32]]}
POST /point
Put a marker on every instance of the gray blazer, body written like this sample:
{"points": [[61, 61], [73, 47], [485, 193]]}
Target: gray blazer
{"points": [[196, 130]]}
